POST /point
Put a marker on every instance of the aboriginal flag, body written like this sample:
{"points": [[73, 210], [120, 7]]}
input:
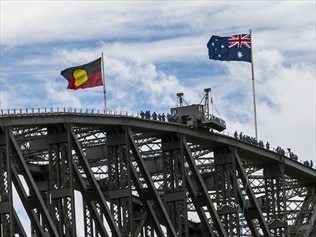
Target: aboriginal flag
{"points": [[84, 76]]}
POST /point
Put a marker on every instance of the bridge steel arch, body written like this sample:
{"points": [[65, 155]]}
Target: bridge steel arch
{"points": [[77, 174]]}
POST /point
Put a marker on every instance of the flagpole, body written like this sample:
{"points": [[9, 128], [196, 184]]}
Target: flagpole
{"points": [[103, 81], [253, 87]]}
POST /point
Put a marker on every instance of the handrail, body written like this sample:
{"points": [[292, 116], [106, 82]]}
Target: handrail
{"points": [[64, 110]]}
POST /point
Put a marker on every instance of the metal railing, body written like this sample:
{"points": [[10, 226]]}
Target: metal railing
{"points": [[58, 111]]}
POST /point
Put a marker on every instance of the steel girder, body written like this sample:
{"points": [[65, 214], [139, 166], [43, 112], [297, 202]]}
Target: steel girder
{"points": [[306, 219], [237, 203], [42, 223], [9, 222], [61, 188], [136, 182]]}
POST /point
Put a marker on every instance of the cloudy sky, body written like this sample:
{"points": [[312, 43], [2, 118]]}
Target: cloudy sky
{"points": [[154, 49]]}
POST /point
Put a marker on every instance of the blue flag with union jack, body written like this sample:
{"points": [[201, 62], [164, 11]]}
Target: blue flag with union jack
{"points": [[230, 48]]}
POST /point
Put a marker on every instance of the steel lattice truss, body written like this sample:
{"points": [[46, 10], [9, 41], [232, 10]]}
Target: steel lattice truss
{"points": [[135, 177]]}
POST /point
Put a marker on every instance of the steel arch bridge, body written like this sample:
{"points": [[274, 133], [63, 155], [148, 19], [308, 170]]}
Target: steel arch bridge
{"points": [[123, 175]]}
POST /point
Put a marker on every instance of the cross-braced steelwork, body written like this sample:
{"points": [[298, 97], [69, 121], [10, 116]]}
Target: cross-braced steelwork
{"points": [[69, 173]]}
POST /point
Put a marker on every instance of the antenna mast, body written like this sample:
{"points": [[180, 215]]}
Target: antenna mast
{"points": [[180, 97], [207, 103]]}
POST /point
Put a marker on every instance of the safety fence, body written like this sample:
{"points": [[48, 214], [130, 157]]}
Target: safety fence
{"points": [[58, 111]]}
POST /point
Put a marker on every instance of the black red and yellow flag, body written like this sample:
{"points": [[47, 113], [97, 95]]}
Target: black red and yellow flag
{"points": [[84, 76]]}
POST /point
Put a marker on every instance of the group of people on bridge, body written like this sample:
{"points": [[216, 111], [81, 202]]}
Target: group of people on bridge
{"points": [[240, 136], [251, 140], [160, 117], [279, 149]]}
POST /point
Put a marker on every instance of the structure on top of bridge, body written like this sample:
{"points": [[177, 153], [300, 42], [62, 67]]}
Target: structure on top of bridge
{"points": [[77, 173]]}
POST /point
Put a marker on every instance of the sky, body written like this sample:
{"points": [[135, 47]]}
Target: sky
{"points": [[155, 49]]}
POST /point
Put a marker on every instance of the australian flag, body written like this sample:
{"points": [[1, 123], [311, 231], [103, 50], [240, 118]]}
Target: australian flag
{"points": [[230, 48]]}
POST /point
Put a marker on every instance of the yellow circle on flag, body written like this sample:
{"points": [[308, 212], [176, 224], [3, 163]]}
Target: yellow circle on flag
{"points": [[80, 76]]}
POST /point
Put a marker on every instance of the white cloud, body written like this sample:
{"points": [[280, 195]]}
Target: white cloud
{"points": [[141, 86]]}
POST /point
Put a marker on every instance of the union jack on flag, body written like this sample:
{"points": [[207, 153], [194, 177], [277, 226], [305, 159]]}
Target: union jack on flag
{"points": [[230, 48], [239, 40]]}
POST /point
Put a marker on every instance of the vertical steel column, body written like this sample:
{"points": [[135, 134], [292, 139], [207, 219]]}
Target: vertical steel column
{"points": [[6, 203], [275, 200], [88, 223], [174, 183], [119, 185], [10, 224], [226, 190], [61, 187]]}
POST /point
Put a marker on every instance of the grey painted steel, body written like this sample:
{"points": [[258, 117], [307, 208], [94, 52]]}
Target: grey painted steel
{"points": [[140, 177]]}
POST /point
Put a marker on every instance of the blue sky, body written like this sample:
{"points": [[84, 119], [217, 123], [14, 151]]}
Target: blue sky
{"points": [[154, 49]]}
